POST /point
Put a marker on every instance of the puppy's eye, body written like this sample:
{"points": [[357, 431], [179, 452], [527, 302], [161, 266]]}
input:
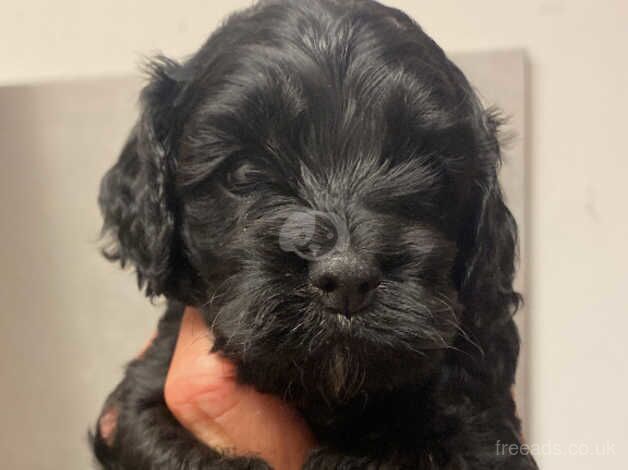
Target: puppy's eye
{"points": [[242, 178]]}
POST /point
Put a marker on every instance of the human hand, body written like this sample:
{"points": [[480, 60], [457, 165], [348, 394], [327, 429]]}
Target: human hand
{"points": [[202, 393]]}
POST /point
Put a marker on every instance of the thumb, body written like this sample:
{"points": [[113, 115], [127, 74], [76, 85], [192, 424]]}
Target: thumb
{"points": [[202, 393], [199, 386]]}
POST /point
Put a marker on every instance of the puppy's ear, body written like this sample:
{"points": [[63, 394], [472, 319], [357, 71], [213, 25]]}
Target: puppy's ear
{"points": [[488, 239], [137, 197]]}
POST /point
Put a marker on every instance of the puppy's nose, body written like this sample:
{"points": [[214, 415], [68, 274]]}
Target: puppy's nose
{"points": [[346, 282]]}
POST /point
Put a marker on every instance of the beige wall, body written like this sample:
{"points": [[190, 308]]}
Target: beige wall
{"points": [[578, 167]]}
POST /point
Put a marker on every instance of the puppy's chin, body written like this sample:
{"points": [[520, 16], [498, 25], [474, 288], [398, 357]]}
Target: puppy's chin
{"points": [[356, 361], [348, 371], [349, 362]]}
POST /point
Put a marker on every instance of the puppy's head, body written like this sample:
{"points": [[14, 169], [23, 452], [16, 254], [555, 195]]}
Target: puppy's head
{"points": [[321, 181]]}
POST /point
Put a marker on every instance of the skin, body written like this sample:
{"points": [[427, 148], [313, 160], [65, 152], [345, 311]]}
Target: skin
{"points": [[202, 393]]}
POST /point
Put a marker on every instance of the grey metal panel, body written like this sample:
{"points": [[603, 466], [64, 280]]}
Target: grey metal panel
{"points": [[500, 79]]}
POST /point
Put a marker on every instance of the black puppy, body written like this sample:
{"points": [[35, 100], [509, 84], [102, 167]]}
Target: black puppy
{"points": [[320, 181]]}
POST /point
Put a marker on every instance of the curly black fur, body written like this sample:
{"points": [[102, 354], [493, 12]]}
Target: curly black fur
{"points": [[346, 108]]}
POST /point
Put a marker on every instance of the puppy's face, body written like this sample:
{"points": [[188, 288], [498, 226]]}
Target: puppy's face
{"points": [[323, 224], [331, 252], [313, 193]]}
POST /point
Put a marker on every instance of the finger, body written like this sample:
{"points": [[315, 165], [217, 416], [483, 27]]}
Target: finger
{"points": [[202, 393], [107, 425], [109, 417], [197, 377]]}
